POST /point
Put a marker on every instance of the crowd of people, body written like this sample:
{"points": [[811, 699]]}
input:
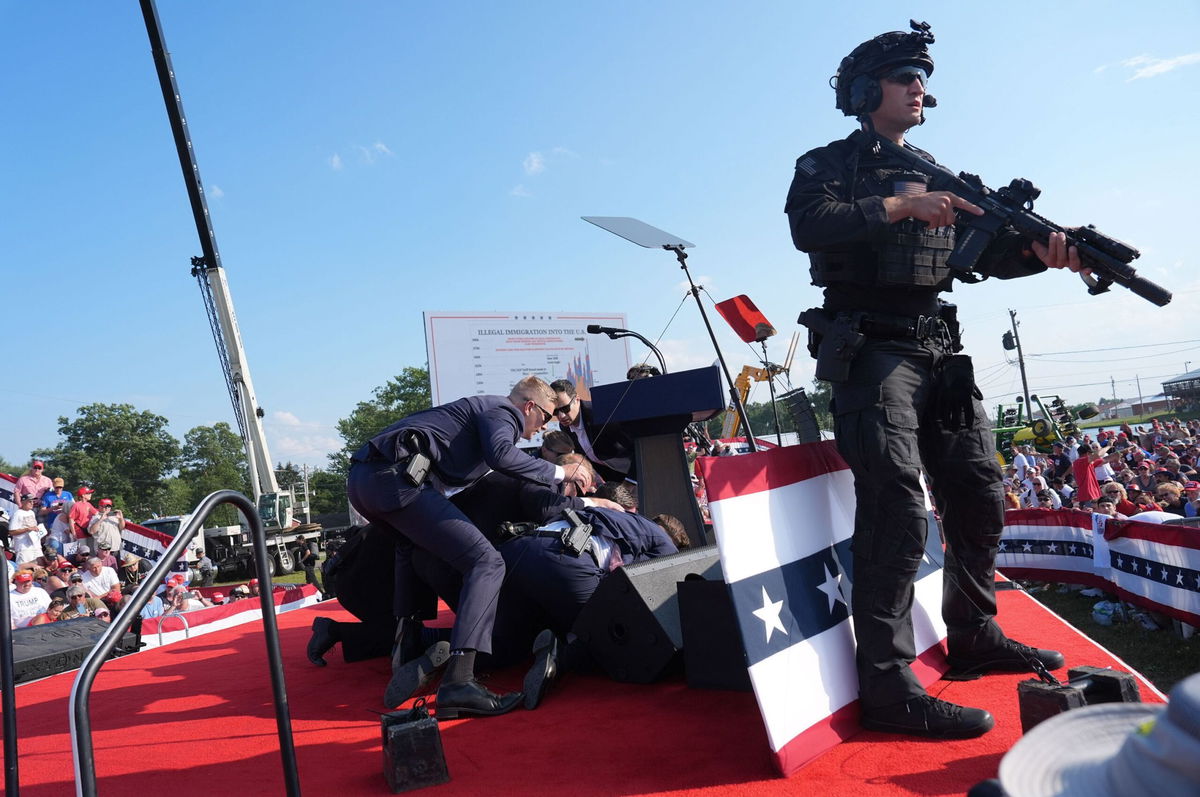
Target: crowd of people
{"points": [[64, 559], [1150, 473]]}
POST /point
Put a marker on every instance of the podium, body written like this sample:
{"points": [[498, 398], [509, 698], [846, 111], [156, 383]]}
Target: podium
{"points": [[654, 412]]}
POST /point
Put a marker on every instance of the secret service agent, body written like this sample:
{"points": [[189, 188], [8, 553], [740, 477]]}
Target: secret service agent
{"points": [[903, 400], [400, 480]]}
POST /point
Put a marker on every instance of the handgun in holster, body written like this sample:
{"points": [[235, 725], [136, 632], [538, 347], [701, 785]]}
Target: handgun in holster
{"points": [[833, 341], [575, 537]]}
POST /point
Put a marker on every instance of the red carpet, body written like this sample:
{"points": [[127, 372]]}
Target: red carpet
{"points": [[195, 718]]}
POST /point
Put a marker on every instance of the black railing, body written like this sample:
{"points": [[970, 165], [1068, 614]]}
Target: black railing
{"points": [[81, 724]]}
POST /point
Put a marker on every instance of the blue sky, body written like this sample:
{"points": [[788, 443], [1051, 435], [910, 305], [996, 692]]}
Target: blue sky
{"points": [[366, 161]]}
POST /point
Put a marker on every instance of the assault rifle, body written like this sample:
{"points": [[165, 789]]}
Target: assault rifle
{"points": [[1012, 206]]}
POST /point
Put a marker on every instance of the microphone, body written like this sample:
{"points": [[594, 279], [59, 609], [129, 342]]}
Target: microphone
{"points": [[930, 101], [596, 329]]}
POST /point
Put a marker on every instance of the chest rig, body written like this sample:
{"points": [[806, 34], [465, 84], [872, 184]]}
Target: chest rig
{"points": [[910, 253]]}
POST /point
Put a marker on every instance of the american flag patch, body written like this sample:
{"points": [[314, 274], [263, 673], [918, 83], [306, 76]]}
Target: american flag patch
{"points": [[807, 165]]}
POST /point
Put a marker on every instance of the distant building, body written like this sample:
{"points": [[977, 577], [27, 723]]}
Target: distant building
{"points": [[1185, 388]]}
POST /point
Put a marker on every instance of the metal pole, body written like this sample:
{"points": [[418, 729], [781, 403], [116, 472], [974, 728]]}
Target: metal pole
{"points": [[771, 384], [12, 785], [82, 749], [1012, 314], [734, 397]]}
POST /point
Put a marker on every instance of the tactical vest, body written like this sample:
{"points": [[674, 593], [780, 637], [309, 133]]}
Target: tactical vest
{"points": [[911, 253]]}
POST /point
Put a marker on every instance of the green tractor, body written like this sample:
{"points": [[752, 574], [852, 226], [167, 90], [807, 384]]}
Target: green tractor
{"points": [[1055, 424]]}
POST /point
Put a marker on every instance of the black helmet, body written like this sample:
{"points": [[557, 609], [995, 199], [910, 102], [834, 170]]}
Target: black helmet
{"points": [[857, 80]]}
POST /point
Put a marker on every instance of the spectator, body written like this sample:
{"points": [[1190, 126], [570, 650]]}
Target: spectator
{"points": [[53, 612], [26, 600], [1087, 488], [33, 481], [1071, 449], [1060, 463], [1011, 499], [54, 501], [1170, 498], [153, 608], [1120, 498], [60, 528], [133, 568], [106, 526], [1145, 476], [23, 533], [98, 579], [82, 512], [106, 556], [252, 588], [60, 579], [1064, 490], [1045, 500], [1191, 491], [218, 598], [80, 557], [81, 604], [1106, 506]]}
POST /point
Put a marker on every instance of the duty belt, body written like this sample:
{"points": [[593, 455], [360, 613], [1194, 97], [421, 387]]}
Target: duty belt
{"points": [[923, 327]]}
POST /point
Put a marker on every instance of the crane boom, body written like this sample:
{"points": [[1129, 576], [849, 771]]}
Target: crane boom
{"points": [[211, 277]]}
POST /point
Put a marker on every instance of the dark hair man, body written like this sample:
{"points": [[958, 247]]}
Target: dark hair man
{"points": [[605, 445], [878, 242], [400, 480]]}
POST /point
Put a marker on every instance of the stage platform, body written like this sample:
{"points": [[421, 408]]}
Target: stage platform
{"points": [[195, 718]]}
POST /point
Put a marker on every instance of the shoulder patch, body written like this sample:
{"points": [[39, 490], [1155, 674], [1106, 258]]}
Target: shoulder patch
{"points": [[807, 165]]}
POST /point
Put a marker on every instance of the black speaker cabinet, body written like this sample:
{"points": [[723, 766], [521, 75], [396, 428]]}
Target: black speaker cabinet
{"points": [[42, 650], [631, 623]]}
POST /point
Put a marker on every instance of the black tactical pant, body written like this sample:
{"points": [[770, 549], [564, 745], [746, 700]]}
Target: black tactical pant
{"points": [[887, 432]]}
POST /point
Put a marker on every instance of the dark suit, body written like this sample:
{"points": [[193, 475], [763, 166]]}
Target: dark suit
{"points": [[546, 586], [464, 439], [609, 443]]}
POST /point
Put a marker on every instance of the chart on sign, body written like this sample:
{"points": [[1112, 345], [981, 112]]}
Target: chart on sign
{"points": [[473, 353]]}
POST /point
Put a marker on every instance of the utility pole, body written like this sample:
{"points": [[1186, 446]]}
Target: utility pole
{"points": [[1012, 315], [1114, 387]]}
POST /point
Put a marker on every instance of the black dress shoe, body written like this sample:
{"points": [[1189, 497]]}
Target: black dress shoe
{"points": [[408, 642], [415, 674], [928, 716], [544, 669], [473, 699], [321, 641], [1008, 656]]}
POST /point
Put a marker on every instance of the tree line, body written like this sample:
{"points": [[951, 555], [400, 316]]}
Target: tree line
{"points": [[129, 455]]}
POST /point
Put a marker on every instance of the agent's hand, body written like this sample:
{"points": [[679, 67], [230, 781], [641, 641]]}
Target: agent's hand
{"points": [[1058, 254], [936, 208]]}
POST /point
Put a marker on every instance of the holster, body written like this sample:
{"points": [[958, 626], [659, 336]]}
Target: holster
{"points": [[833, 341]]}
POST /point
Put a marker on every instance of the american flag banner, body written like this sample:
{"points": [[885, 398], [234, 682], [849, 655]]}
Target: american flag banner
{"points": [[1052, 545], [783, 520], [7, 485], [1156, 567]]}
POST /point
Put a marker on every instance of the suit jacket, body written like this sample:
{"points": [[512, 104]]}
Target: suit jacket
{"points": [[464, 439], [637, 537], [609, 442]]}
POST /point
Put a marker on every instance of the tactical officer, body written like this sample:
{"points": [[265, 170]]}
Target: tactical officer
{"points": [[903, 399], [401, 480]]}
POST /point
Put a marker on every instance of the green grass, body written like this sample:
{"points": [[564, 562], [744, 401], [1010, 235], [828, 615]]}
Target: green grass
{"points": [[1162, 656]]}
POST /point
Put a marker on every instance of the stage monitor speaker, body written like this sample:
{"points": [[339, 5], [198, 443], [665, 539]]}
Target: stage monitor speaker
{"points": [[631, 623], [804, 419], [43, 650]]}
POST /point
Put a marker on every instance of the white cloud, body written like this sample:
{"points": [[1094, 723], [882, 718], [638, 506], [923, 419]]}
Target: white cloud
{"points": [[565, 152], [534, 163], [285, 418], [382, 149], [215, 192], [335, 162], [704, 281], [1147, 66], [519, 190]]}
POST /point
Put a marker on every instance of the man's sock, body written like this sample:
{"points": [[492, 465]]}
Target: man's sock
{"points": [[461, 667]]}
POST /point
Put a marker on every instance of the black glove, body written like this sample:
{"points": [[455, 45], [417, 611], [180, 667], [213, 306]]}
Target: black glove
{"points": [[956, 393]]}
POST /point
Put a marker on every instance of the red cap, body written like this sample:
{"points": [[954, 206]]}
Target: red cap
{"points": [[1192, 486], [254, 582], [217, 596], [84, 491], [105, 502], [37, 463], [24, 577]]}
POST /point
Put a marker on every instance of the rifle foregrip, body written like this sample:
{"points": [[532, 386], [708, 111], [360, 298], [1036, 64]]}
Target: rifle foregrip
{"points": [[1151, 292]]}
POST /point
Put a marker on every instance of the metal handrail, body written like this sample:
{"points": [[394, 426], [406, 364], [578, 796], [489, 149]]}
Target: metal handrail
{"points": [[81, 726], [8, 698], [187, 631]]}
